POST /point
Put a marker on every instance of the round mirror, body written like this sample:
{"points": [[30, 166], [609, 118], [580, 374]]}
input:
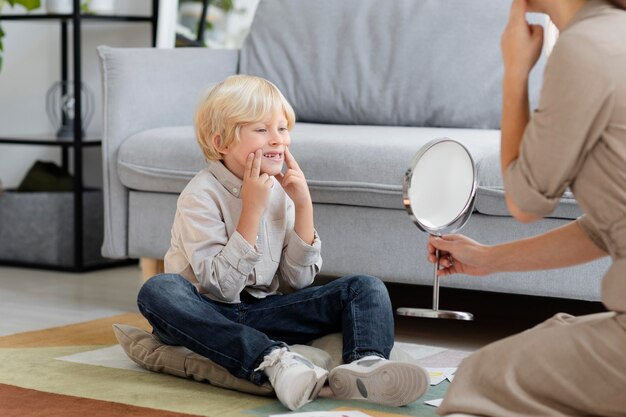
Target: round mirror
{"points": [[439, 193], [440, 187]]}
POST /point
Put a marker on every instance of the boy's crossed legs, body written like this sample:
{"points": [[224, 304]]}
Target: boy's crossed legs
{"points": [[243, 337]]}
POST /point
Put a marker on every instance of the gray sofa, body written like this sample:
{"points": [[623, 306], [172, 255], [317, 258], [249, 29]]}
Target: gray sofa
{"points": [[370, 82]]}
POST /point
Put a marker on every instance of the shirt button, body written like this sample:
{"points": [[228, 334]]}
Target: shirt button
{"points": [[235, 189], [259, 276]]}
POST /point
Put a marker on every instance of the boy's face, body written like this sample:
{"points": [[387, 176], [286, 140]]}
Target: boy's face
{"points": [[270, 135]]}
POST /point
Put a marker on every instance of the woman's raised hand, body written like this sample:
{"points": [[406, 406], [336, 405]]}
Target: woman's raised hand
{"points": [[521, 42]]}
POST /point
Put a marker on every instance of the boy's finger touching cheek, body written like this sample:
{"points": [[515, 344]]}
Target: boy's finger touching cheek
{"points": [[256, 166], [249, 160], [291, 161]]}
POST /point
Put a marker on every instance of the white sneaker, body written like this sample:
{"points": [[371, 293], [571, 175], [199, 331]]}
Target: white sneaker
{"points": [[379, 381], [295, 379]]}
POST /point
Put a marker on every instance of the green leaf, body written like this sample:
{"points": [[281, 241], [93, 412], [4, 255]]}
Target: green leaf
{"points": [[226, 5], [28, 4]]}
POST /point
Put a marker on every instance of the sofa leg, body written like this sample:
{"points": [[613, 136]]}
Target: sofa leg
{"points": [[151, 267]]}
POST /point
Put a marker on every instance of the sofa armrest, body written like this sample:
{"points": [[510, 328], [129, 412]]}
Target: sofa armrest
{"points": [[145, 88]]}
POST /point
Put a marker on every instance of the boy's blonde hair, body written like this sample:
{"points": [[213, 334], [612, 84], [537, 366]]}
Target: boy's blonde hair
{"points": [[236, 101]]}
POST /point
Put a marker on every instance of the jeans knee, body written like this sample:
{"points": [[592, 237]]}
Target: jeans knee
{"points": [[158, 287], [367, 284]]}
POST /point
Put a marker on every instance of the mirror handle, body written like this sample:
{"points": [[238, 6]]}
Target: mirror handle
{"points": [[436, 282]]}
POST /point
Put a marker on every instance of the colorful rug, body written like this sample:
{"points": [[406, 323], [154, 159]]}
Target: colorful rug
{"points": [[79, 370]]}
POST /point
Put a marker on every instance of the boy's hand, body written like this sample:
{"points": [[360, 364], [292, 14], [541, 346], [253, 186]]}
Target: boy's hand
{"points": [[257, 187], [293, 182]]}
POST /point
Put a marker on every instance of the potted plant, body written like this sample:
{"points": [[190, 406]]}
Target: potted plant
{"points": [[215, 20], [28, 4]]}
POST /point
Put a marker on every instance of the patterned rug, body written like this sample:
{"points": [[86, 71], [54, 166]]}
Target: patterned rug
{"points": [[79, 370]]}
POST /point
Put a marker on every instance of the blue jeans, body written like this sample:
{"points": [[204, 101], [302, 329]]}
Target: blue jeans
{"points": [[238, 336]]}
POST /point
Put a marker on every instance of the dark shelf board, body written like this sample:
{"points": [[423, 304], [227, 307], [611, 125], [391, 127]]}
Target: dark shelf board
{"points": [[103, 264], [83, 17], [48, 141]]}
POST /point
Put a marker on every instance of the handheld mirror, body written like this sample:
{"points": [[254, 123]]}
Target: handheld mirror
{"points": [[439, 193]]}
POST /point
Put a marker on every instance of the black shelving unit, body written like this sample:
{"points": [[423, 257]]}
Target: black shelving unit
{"points": [[78, 142]]}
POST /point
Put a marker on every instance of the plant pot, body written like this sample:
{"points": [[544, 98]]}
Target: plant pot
{"points": [[59, 6], [101, 6]]}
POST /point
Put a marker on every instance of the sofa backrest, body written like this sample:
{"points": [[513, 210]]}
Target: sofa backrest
{"points": [[434, 63]]}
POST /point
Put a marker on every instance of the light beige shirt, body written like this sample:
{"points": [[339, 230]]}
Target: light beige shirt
{"points": [[208, 251], [577, 137]]}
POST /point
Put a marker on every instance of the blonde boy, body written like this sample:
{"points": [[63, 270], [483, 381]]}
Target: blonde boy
{"points": [[242, 227]]}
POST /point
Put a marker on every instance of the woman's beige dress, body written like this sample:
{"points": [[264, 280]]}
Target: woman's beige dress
{"points": [[568, 366]]}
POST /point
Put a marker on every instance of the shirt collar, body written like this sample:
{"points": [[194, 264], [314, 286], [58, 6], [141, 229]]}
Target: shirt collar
{"points": [[590, 9], [228, 180]]}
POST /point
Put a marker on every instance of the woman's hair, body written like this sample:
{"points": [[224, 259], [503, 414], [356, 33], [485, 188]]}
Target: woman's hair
{"points": [[232, 103], [621, 4]]}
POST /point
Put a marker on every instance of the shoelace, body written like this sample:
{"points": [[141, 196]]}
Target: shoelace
{"points": [[277, 355], [272, 359]]}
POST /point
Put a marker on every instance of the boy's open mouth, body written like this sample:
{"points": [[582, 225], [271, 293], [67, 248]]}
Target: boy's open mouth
{"points": [[274, 156]]}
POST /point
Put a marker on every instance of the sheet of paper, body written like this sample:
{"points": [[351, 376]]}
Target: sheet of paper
{"points": [[109, 357], [437, 375], [350, 413], [434, 403]]}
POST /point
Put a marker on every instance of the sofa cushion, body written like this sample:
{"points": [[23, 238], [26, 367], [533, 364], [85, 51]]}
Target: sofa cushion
{"points": [[402, 63], [162, 159], [351, 165]]}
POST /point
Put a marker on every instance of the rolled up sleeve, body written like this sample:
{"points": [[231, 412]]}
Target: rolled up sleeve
{"points": [[301, 261], [561, 132]]}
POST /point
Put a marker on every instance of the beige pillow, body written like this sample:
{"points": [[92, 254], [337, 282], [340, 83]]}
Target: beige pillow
{"points": [[332, 344], [148, 352]]}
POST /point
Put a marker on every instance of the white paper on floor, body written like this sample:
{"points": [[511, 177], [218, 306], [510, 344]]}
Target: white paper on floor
{"points": [[434, 403], [351, 413], [110, 357], [438, 375], [419, 351]]}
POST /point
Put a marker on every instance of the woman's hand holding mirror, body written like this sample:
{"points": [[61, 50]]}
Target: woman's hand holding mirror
{"points": [[459, 254]]}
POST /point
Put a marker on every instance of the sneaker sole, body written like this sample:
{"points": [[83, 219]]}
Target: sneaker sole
{"points": [[386, 383], [321, 380]]}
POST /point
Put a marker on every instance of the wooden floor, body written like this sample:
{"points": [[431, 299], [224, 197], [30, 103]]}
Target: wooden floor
{"points": [[34, 299]]}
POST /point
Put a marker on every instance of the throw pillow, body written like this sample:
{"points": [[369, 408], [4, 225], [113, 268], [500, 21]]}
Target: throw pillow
{"points": [[150, 353]]}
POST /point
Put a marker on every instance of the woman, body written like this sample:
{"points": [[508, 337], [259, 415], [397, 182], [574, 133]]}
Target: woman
{"points": [[576, 138]]}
